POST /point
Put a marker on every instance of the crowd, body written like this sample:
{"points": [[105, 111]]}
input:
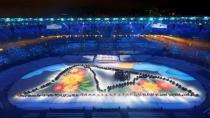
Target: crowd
{"points": [[17, 31], [19, 55], [107, 42]]}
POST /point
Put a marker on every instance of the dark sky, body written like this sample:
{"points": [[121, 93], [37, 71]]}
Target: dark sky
{"points": [[99, 7]]}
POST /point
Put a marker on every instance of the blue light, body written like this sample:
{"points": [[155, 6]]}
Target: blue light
{"points": [[141, 18], [192, 18], [40, 19], [123, 18], [7, 19], [151, 19], [89, 18], [106, 19], [20, 19], [98, 19], [52, 19], [172, 18], [80, 19], [62, 19], [131, 18], [206, 18], [115, 18], [71, 19], [160, 19]]}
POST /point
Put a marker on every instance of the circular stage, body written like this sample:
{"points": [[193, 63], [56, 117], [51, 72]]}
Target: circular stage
{"points": [[106, 85]]}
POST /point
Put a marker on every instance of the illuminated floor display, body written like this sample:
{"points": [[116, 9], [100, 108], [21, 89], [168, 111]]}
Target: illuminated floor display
{"points": [[106, 85]]}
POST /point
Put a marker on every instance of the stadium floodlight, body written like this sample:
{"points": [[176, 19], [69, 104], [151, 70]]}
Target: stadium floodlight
{"points": [[40, 19], [89, 19], [151, 19], [132, 18], [52, 19], [160, 19], [20, 19], [106, 18], [141, 19], [62, 19], [206, 18], [7, 19], [71, 19], [80, 18], [124, 19], [98, 19], [172, 18], [115, 18]]}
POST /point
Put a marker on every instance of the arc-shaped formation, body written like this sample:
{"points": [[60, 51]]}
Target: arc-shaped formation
{"points": [[80, 79]]}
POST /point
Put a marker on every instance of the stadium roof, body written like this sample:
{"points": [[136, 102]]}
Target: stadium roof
{"points": [[9, 8]]}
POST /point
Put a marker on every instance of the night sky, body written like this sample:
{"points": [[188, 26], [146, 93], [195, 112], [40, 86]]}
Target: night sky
{"points": [[27, 8]]}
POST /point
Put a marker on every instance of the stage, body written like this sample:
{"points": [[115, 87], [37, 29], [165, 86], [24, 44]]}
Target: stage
{"points": [[64, 83]]}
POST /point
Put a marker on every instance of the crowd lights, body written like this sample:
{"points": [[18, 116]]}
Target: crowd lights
{"points": [[69, 36], [126, 35], [74, 36], [114, 19]]}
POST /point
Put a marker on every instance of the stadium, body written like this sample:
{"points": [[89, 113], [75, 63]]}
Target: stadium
{"points": [[114, 64], [104, 59]]}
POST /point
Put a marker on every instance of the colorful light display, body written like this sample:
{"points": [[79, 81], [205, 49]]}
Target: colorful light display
{"points": [[153, 86], [82, 79], [75, 80], [88, 85]]}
